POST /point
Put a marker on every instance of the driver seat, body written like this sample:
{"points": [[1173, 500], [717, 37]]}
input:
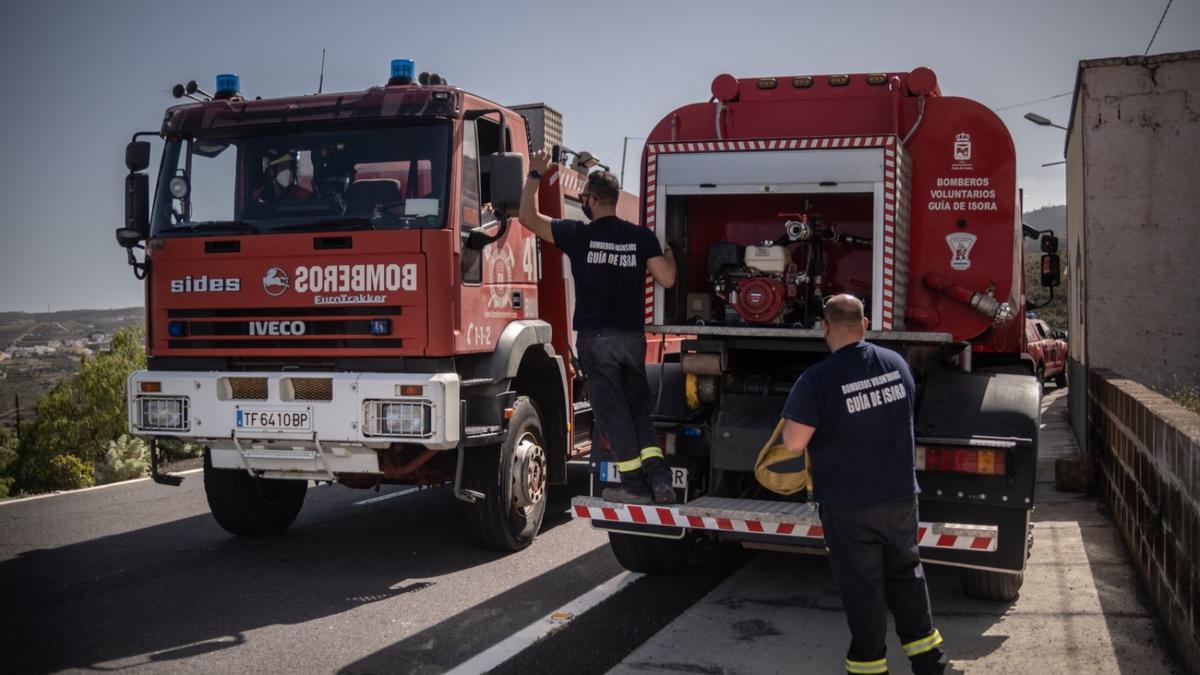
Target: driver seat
{"points": [[369, 193]]}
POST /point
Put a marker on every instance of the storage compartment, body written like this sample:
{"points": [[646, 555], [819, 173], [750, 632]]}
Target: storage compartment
{"points": [[767, 259], [766, 231]]}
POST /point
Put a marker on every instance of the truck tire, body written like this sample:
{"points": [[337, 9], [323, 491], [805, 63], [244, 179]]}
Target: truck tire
{"points": [[987, 585], [513, 476], [251, 507], [1041, 378], [651, 555], [1060, 380]]}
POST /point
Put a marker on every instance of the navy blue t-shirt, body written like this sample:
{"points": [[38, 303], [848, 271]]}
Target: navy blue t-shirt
{"points": [[860, 400], [608, 261]]}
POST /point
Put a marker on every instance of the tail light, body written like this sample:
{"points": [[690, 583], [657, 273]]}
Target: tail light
{"points": [[982, 461]]}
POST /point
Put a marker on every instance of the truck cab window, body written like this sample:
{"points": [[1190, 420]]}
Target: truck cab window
{"points": [[472, 260], [353, 178], [489, 144]]}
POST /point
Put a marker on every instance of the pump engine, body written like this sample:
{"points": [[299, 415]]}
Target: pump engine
{"points": [[763, 287]]}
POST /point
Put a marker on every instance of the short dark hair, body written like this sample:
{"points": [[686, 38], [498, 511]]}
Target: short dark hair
{"points": [[844, 310], [604, 186]]}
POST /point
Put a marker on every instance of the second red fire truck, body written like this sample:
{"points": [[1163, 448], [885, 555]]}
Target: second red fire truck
{"points": [[779, 192]]}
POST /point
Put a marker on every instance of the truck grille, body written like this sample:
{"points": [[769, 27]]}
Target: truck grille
{"points": [[308, 388], [284, 328], [247, 388], [286, 343], [223, 328]]}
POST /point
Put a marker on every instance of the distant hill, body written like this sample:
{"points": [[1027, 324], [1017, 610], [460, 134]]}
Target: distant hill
{"points": [[28, 329], [28, 378], [1049, 218]]}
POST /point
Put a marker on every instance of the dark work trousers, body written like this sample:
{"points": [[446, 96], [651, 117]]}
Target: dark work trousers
{"points": [[875, 560], [615, 364]]}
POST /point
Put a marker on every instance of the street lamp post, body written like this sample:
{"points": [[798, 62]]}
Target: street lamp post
{"points": [[1042, 121]]}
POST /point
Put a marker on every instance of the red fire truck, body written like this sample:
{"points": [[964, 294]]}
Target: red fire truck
{"points": [[334, 292], [779, 192]]}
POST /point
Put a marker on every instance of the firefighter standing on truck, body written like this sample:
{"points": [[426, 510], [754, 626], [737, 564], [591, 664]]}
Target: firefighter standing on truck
{"points": [[854, 412], [609, 259]]}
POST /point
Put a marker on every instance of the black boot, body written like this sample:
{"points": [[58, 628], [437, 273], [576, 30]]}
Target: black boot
{"points": [[633, 489], [658, 474], [932, 662]]}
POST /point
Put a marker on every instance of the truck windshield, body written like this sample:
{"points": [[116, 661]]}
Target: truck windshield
{"points": [[381, 178]]}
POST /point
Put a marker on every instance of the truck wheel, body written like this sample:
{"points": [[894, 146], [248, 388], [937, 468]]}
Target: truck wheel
{"points": [[986, 585], [251, 507], [513, 478], [1060, 380], [651, 555], [1041, 378]]}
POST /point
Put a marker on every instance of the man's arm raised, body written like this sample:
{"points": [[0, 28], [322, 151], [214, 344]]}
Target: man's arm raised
{"points": [[532, 219]]}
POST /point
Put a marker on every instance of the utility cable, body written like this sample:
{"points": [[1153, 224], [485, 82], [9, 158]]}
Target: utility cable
{"points": [[1160, 20], [1039, 100]]}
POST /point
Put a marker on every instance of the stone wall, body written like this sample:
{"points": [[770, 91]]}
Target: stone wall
{"points": [[1147, 452]]}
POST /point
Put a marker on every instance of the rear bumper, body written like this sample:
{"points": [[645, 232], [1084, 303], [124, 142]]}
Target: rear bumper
{"points": [[976, 545], [337, 437]]}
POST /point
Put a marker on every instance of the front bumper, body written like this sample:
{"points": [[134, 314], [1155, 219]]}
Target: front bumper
{"points": [[340, 428]]}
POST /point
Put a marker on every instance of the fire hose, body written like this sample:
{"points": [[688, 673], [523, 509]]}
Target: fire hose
{"points": [[984, 303]]}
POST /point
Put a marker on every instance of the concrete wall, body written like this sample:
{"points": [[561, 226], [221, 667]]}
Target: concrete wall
{"points": [[1137, 121], [1075, 275], [1148, 451]]}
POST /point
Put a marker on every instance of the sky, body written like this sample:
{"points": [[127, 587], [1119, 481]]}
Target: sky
{"points": [[81, 77]]}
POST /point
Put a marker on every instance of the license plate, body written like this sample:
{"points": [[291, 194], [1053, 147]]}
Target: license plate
{"points": [[610, 474], [274, 419]]}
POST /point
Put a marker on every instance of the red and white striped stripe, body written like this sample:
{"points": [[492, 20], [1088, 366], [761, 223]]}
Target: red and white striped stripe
{"points": [[772, 144], [888, 306], [929, 535], [650, 206], [895, 203]]}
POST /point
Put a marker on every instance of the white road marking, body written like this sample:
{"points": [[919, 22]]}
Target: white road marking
{"points": [[89, 489], [399, 493], [542, 628]]}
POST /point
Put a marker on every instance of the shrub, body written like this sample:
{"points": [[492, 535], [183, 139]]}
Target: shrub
{"points": [[1188, 397], [79, 417], [68, 472], [125, 458]]}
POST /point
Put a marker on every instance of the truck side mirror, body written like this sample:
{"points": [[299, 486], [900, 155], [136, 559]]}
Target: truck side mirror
{"points": [[137, 204], [1049, 243], [128, 238], [508, 181], [1051, 271], [137, 156]]}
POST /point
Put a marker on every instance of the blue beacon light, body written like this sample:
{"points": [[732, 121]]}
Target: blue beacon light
{"points": [[228, 84], [404, 70]]}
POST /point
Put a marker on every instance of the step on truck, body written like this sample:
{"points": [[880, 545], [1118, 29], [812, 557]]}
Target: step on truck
{"points": [[778, 193], [335, 291]]}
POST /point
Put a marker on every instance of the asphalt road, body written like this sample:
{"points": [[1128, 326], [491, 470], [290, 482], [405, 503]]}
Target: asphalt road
{"points": [[139, 577]]}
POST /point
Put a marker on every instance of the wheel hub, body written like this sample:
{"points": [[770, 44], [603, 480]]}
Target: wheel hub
{"points": [[529, 472]]}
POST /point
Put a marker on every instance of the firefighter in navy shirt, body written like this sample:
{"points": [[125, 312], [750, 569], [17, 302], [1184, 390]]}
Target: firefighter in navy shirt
{"points": [[854, 412], [609, 260]]}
